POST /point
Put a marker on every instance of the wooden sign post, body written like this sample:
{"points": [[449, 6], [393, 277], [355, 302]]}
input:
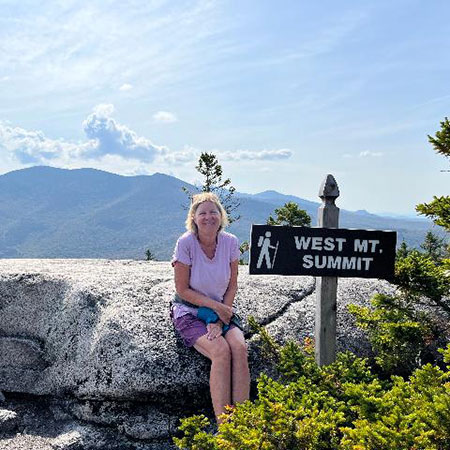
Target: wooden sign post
{"points": [[326, 287], [326, 252]]}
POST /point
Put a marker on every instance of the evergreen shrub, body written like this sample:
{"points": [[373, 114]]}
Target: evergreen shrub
{"points": [[397, 332], [340, 406]]}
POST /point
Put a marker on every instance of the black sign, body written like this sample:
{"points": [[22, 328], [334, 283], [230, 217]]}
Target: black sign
{"points": [[279, 250]]}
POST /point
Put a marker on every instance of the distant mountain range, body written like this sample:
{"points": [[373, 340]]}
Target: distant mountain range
{"points": [[47, 212]]}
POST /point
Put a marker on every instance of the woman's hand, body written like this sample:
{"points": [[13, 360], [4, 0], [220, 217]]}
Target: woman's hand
{"points": [[224, 312], [214, 330]]}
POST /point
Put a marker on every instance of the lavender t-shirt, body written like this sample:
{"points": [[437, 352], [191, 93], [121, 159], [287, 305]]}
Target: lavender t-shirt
{"points": [[210, 277]]}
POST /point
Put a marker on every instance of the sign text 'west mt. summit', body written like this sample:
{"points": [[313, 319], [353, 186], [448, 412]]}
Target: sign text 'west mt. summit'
{"points": [[279, 250]]}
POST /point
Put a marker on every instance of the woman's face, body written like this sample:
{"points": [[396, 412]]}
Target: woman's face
{"points": [[207, 217]]}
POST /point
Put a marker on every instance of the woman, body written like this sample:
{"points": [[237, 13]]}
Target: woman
{"points": [[206, 262]]}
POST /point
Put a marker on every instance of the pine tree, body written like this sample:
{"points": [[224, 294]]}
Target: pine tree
{"points": [[243, 248], [290, 215], [403, 251], [441, 142], [434, 247], [209, 167], [149, 256], [439, 208]]}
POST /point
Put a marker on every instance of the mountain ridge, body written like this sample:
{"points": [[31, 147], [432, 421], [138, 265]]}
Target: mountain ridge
{"points": [[48, 212]]}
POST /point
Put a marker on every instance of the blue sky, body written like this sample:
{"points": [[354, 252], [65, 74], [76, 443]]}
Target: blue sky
{"points": [[283, 92]]}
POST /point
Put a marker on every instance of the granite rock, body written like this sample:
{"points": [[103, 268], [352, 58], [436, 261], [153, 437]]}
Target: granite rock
{"points": [[8, 420], [297, 323], [100, 329], [97, 333]]}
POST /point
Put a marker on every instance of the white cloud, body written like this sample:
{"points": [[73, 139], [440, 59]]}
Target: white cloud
{"points": [[106, 137], [62, 48], [191, 154], [5, 78], [363, 154], [165, 117], [186, 155], [241, 155], [126, 87], [112, 138], [368, 154], [110, 145], [104, 110], [33, 147]]}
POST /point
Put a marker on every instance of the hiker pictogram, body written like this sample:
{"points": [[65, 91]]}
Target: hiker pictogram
{"points": [[264, 243]]}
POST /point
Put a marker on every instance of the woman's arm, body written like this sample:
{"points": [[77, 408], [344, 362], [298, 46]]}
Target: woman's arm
{"points": [[230, 293], [182, 275]]}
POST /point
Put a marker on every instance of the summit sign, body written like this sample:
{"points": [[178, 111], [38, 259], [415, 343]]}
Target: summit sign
{"points": [[327, 252], [335, 252]]}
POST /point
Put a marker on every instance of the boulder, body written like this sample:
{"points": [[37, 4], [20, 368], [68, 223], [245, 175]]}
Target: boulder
{"points": [[97, 333], [8, 420]]}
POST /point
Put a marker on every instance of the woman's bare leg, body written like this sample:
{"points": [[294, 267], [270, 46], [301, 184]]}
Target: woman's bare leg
{"points": [[240, 375], [218, 351]]}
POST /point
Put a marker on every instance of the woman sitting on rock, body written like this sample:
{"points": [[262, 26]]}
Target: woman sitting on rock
{"points": [[206, 262]]}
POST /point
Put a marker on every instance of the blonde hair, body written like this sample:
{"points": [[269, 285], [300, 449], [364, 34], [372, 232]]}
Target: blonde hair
{"points": [[197, 200]]}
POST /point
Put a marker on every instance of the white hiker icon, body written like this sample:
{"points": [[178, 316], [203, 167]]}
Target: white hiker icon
{"points": [[264, 242]]}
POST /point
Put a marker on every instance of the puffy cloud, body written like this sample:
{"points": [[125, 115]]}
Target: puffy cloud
{"points": [[126, 87], [367, 154], [104, 110], [261, 155], [112, 138], [190, 154], [105, 137], [187, 155], [110, 145], [165, 117], [363, 154], [33, 147]]}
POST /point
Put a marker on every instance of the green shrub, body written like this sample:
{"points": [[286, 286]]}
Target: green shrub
{"points": [[397, 333], [400, 335], [412, 414], [417, 275], [340, 406], [194, 437]]}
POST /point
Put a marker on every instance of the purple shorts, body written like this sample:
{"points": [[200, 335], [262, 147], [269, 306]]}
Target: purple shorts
{"points": [[190, 328]]}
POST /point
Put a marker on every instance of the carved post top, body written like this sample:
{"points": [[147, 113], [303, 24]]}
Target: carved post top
{"points": [[329, 188]]}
